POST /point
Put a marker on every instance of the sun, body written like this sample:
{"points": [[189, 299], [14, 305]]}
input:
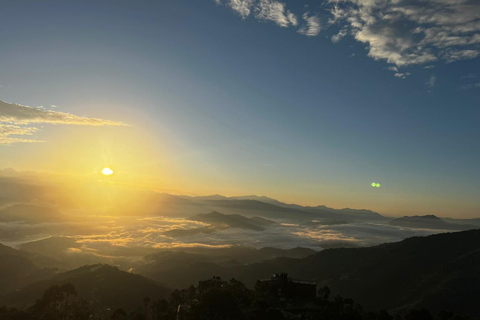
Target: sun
{"points": [[107, 171]]}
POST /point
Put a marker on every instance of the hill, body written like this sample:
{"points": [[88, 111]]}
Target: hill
{"points": [[19, 268], [429, 222], [437, 272], [101, 285], [233, 220], [68, 251], [30, 214], [181, 269]]}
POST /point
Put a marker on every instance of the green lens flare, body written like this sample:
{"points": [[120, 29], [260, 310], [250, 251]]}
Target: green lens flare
{"points": [[378, 185], [374, 184]]}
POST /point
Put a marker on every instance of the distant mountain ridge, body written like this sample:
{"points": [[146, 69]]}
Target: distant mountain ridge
{"points": [[30, 214], [429, 222], [269, 208], [233, 220]]}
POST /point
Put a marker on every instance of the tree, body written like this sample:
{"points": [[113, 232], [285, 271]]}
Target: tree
{"points": [[54, 303], [119, 314], [324, 292], [146, 303]]}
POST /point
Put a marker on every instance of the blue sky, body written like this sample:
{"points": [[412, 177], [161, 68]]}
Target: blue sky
{"points": [[258, 104]]}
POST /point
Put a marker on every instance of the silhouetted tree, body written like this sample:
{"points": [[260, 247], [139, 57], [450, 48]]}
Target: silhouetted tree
{"points": [[418, 314], [54, 303], [80, 310], [324, 292], [146, 303], [119, 314]]}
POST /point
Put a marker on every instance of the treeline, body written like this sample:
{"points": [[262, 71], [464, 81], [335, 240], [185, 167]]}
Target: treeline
{"points": [[231, 300]]}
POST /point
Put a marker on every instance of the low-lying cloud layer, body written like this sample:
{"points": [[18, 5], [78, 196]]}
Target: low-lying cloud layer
{"points": [[16, 120], [104, 234], [402, 32]]}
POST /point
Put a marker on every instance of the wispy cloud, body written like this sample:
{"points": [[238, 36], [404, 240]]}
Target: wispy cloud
{"points": [[402, 75], [264, 10], [242, 7], [8, 133], [471, 85], [270, 10], [431, 82], [407, 32], [401, 32], [340, 35], [312, 27], [16, 120]]}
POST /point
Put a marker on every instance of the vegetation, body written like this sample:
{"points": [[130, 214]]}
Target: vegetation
{"points": [[230, 300]]}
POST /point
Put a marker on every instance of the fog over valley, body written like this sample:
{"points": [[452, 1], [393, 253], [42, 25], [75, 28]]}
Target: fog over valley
{"points": [[121, 225]]}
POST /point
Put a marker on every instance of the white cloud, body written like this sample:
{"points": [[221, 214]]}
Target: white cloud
{"points": [[15, 118], [271, 10], [402, 75], [8, 134], [339, 36], [312, 27], [405, 32], [400, 32], [454, 55], [242, 7], [292, 18]]}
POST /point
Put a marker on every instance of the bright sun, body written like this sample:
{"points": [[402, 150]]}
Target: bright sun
{"points": [[107, 171]]}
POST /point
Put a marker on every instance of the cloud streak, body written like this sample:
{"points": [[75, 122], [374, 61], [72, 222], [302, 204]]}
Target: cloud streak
{"points": [[16, 120]]}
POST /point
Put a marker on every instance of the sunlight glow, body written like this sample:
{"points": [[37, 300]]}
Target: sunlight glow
{"points": [[107, 171]]}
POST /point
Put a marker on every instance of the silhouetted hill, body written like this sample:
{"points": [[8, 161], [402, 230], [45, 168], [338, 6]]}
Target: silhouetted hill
{"points": [[101, 285], [181, 269], [429, 222], [271, 208], [251, 206], [257, 208], [29, 214], [438, 272], [66, 250], [19, 268], [262, 221], [50, 246], [233, 220], [472, 222]]}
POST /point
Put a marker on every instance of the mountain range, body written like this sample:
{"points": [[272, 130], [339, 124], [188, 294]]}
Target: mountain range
{"points": [[437, 272]]}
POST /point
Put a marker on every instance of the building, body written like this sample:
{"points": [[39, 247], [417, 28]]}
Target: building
{"points": [[290, 291]]}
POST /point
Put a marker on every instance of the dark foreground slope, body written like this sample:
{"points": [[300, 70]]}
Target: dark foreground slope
{"points": [[99, 284], [19, 268], [437, 272]]}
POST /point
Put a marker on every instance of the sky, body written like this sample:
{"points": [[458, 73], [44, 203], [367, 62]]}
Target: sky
{"points": [[308, 102]]}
